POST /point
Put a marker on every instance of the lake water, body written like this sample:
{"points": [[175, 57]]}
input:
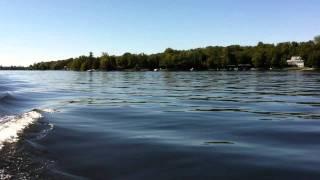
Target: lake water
{"points": [[159, 125]]}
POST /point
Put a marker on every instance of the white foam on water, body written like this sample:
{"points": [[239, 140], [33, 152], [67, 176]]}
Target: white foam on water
{"points": [[3, 175], [11, 126], [46, 110]]}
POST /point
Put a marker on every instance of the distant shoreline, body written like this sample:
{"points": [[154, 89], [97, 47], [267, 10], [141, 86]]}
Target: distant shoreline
{"points": [[173, 70], [262, 56], [285, 55]]}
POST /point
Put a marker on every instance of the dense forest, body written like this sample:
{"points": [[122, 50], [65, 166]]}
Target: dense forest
{"points": [[261, 56]]}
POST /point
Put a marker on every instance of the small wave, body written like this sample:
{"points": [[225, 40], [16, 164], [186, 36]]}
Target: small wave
{"points": [[11, 126], [46, 110], [45, 131], [218, 142], [6, 96]]}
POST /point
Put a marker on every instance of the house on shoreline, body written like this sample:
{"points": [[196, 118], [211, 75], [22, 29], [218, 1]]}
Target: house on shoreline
{"points": [[296, 61]]}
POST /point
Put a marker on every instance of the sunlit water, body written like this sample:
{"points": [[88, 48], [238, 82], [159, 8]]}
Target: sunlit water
{"points": [[163, 125]]}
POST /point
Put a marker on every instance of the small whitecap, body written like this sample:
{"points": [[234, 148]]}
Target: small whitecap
{"points": [[11, 126], [48, 110]]}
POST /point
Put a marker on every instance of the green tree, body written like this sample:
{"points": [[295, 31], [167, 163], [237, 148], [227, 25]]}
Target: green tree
{"points": [[107, 62], [153, 61], [259, 59], [276, 60], [314, 59], [104, 62], [84, 66], [76, 65]]}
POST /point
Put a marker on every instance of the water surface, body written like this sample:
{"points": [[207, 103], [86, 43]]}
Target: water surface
{"points": [[164, 125]]}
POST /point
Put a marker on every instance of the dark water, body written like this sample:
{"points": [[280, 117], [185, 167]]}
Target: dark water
{"points": [[164, 125]]}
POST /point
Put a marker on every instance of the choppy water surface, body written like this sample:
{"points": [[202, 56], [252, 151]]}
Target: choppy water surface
{"points": [[162, 125]]}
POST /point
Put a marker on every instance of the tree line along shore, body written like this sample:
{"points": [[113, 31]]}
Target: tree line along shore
{"points": [[261, 56]]}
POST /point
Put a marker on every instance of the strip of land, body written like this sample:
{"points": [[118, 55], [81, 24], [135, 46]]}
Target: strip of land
{"points": [[303, 55]]}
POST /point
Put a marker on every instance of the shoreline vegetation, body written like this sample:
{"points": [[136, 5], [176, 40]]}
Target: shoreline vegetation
{"points": [[260, 57]]}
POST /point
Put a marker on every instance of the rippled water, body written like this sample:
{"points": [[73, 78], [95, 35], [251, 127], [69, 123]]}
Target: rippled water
{"points": [[163, 125]]}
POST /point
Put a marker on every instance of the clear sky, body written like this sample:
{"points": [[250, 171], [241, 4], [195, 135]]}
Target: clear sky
{"points": [[42, 30]]}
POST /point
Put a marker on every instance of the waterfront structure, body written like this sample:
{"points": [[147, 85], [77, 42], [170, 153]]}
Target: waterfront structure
{"points": [[296, 61]]}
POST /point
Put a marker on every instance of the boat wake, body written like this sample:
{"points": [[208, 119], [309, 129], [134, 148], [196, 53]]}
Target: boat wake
{"points": [[12, 126], [15, 163]]}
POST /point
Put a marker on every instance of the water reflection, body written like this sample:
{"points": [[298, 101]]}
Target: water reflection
{"points": [[181, 125]]}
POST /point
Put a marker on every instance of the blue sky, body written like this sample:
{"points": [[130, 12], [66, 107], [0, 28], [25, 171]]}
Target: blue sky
{"points": [[42, 30]]}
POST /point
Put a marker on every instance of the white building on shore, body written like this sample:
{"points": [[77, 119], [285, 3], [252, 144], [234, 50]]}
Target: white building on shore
{"points": [[296, 61]]}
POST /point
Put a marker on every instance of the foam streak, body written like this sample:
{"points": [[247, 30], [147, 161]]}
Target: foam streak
{"points": [[11, 126]]}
